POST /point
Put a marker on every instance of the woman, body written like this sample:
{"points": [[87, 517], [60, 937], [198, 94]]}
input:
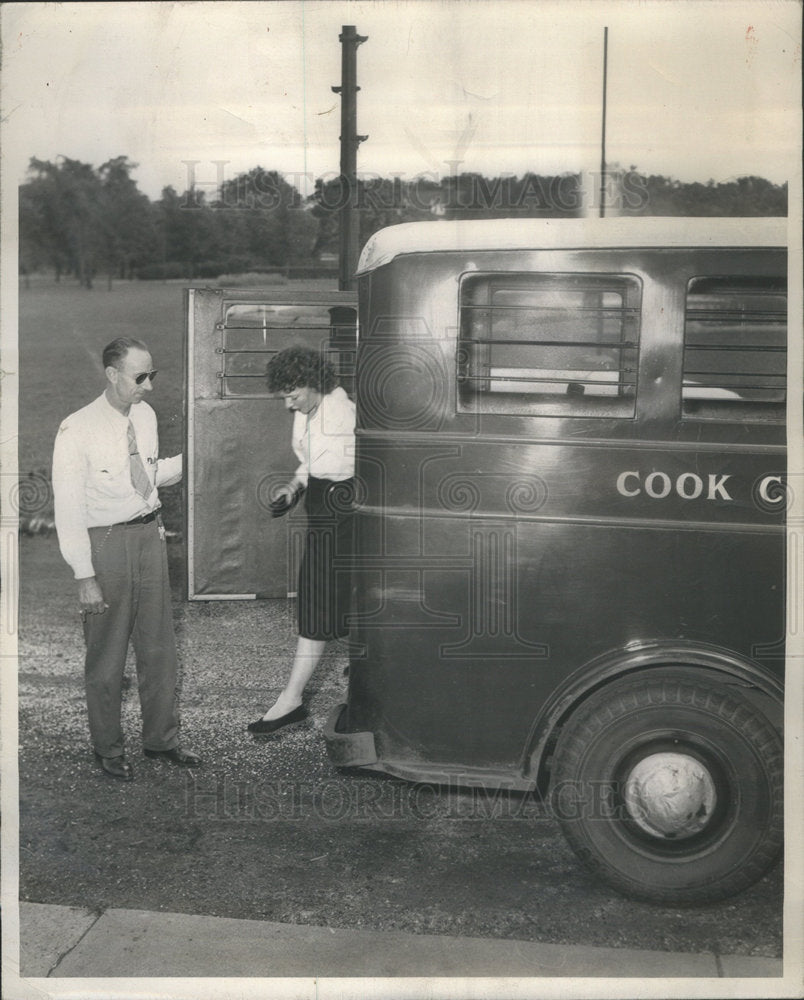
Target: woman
{"points": [[323, 440]]}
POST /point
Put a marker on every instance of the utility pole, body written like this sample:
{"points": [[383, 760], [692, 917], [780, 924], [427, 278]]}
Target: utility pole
{"points": [[603, 137], [349, 242]]}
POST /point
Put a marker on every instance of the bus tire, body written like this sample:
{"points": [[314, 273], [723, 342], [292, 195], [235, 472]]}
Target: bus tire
{"points": [[670, 790]]}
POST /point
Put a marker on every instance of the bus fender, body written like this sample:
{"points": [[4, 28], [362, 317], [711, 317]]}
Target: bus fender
{"points": [[694, 661], [347, 749]]}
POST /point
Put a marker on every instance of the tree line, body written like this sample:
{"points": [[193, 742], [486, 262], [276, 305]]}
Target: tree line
{"points": [[86, 222]]}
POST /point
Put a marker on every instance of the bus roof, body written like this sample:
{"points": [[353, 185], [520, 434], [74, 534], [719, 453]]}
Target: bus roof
{"points": [[569, 234]]}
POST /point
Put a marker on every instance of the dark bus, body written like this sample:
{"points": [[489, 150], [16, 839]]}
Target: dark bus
{"points": [[569, 575]]}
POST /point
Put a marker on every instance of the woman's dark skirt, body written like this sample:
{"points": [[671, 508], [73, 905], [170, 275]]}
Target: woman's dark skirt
{"points": [[325, 574]]}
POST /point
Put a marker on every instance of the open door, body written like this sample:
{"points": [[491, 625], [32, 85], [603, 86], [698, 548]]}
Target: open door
{"points": [[238, 437]]}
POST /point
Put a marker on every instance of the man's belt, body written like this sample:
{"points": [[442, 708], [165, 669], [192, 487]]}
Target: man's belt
{"points": [[143, 518]]}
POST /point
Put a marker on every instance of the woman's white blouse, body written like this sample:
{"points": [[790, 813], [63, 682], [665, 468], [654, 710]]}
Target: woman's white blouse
{"points": [[325, 442]]}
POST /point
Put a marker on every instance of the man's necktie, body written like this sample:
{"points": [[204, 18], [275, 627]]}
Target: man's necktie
{"points": [[139, 477]]}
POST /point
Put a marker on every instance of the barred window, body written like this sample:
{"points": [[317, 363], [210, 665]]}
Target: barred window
{"points": [[735, 354], [549, 344], [253, 332]]}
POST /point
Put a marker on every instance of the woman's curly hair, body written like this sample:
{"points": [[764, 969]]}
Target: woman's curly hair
{"points": [[298, 368]]}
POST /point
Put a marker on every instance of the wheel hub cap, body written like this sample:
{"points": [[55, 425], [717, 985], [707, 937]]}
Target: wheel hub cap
{"points": [[670, 795]]}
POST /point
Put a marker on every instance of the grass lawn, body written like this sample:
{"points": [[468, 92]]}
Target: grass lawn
{"points": [[62, 330]]}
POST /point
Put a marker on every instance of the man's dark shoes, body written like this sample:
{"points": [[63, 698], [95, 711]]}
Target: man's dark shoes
{"points": [[177, 756], [262, 727], [116, 767]]}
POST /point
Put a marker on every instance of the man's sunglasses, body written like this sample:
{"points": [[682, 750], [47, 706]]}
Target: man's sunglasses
{"points": [[139, 379]]}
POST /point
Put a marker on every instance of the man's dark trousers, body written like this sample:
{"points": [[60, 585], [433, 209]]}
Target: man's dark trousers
{"points": [[130, 563]]}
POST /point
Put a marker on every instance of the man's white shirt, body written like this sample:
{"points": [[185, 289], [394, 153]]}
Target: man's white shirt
{"points": [[92, 475]]}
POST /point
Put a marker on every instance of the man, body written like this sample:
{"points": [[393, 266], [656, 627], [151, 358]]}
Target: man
{"points": [[106, 471]]}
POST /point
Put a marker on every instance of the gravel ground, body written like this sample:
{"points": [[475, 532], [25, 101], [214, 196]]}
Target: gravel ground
{"points": [[270, 830]]}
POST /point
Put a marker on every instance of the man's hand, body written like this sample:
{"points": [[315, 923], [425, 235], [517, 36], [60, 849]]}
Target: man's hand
{"points": [[90, 596]]}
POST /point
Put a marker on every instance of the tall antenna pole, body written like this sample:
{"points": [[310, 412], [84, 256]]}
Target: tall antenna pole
{"points": [[603, 137], [349, 220]]}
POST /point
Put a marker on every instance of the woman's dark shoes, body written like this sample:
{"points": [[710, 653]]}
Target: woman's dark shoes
{"points": [[264, 726], [116, 767], [182, 758]]}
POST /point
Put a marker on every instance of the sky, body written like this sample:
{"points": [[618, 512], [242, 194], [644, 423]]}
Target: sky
{"points": [[696, 89]]}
